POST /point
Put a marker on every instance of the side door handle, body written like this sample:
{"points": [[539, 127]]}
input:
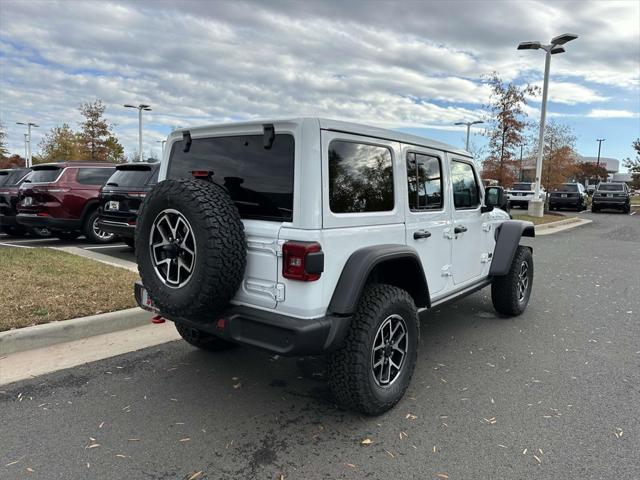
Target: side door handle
{"points": [[460, 229], [421, 234]]}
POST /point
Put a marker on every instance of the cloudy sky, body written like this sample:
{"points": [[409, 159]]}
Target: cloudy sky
{"points": [[411, 66]]}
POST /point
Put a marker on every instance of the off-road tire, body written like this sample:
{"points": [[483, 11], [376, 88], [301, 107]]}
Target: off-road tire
{"points": [[505, 289], [203, 340], [220, 258], [90, 235], [129, 242], [349, 369]]}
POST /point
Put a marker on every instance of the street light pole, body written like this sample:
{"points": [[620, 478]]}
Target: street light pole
{"points": [[162, 142], [28, 125], [599, 140], [26, 156], [140, 108], [468, 124], [536, 206]]}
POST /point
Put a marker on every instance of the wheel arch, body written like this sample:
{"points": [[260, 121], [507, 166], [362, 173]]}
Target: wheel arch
{"points": [[508, 235], [397, 265], [89, 207]]}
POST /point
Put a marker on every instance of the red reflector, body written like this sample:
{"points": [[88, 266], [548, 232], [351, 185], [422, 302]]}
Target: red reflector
{"points": [[201, 173], [157, 319], [42, 214], [294, 260], [131, 222], [221, 323]]}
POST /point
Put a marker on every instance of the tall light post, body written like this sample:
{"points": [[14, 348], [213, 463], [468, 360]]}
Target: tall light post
{"points": [[140, 108], [536, 206], [26, 141], [162, 142], [468, 124], [28, 125], [599, 140]]}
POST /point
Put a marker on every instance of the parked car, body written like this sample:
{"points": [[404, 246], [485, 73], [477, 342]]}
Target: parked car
{"points": [[121, 196], [10, 180], [313, 236], [63, 197], [521, 193], [569, 195], [611, 195]]}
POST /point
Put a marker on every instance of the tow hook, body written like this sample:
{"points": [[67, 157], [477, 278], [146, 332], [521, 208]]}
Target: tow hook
{"points": [[157, 319]]}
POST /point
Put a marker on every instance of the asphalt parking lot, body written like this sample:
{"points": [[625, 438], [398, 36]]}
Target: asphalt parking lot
{"points": [[554, 393]]}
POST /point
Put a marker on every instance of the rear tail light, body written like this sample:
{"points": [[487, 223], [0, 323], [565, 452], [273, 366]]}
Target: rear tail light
{"points": [[138, 194], [303, 261], [202, 174]]}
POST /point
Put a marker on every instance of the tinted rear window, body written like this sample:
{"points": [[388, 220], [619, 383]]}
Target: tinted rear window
{"points": [[522, 186], [129, 178], [259, 180], [611, 187], [3, 177], [93, 176], [568, 188], [45, 175]]}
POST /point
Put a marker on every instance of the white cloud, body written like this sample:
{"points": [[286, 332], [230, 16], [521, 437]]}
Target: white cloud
{"points": [[603, 113]]}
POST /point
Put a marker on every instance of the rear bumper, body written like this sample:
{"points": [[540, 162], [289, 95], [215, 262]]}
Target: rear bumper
{"points": [[281, 334], [610, 202], [51, 223], [119, 228], [7, 221], [565, 202]]}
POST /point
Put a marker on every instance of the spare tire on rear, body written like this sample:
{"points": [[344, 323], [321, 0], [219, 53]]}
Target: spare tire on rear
{"points": [[190, 248]]}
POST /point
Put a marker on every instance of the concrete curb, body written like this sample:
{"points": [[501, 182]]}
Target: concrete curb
{"points": [[99, 257], [561, 226], [39, 336]]}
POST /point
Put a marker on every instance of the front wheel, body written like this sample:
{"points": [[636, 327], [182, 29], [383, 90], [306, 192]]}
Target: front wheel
{"points": [[372, 369], [510, 293], [203, 340]]}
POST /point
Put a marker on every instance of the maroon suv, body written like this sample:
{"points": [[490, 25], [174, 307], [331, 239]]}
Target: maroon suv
{"points": [[63, 197]]}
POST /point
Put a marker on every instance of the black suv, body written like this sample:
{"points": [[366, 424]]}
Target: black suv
{"points": [[10, 180], [568, 195], [611, 195], [121, 196]]}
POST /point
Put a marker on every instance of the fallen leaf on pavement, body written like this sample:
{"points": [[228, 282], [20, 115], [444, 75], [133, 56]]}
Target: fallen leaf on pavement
{"points": [[195, 476], [367, 441]]}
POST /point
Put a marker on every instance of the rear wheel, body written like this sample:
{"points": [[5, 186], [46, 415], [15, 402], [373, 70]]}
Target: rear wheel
{"points": [[372, 369], [510, 293], [203, 340], [93, 232]]}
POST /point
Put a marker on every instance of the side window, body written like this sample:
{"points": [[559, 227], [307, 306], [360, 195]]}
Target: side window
{"points": [[424, 182], [360, 178], [94, 176], [465, 186]]}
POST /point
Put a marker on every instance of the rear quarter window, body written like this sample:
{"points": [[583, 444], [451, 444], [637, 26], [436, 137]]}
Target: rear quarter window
{"points": [[93, 176], [360, 177], [259, 180], [45, 175], [129, 178]]}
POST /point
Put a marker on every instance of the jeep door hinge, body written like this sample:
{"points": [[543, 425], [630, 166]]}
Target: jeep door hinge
{"points": [[486, 227], [446, 271], [486, 257]]}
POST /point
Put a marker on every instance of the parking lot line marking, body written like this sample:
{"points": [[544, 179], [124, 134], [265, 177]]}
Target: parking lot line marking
{"points": [[120, 245], [15, 246]]}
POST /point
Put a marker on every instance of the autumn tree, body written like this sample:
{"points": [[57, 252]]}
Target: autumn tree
{"points": [[507, 122], [633, 164], [96, 139], [60, 143], [586, 171], [12, 161], [559, 159]]}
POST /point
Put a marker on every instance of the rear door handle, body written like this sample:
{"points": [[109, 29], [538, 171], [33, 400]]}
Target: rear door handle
{"points": [[421, 234], [460, 229]]}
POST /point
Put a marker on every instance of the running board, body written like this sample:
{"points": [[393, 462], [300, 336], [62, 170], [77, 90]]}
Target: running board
{"points": [[463, 292]]}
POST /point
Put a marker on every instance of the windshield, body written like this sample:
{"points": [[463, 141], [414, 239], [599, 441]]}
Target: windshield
{"points": [[522, 186], [129, 178], [45, 175], [611, 187], [567, 188], [259, 180]]}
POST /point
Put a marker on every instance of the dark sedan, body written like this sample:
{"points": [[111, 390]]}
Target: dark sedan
{"points": [[121, 197], [568, 195]]}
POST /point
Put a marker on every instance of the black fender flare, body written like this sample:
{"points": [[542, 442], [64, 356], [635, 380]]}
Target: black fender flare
{"points": [[92, 204], [400, 260], [508, 236]]}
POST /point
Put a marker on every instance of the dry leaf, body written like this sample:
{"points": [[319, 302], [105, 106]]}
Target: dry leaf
{"points": [[390, 454], [539, 461], [94, 445], [185, 439], [119, 455], [442, 475], [196, 476], [30, 470], [350, 465], [367, 441]]}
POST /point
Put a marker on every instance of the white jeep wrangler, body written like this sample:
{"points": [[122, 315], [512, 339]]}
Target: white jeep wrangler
{"points": [[312, 236]]}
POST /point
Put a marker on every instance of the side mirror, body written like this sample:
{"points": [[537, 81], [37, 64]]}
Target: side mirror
{"points": [[493, 197]]}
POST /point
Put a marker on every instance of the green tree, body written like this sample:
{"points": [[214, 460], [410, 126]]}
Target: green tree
{"points": [[97, 141], [633, 164], [507, 122], [60, 143]]}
